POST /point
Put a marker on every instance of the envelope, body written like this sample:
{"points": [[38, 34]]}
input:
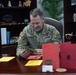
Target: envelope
{"points": [[51, 52], [68, 55]]}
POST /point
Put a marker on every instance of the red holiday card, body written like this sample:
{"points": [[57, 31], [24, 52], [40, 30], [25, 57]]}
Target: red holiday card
{"points": [[51, 52], [68, 55]]}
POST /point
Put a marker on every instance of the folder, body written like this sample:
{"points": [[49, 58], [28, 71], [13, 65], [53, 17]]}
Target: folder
{"points": [[8, 37], [3, 36], [33, 63], [68, 55], [51, 52], [6, 59]]}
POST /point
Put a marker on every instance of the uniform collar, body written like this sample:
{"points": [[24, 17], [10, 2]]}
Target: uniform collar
{"points": [[43, 31]]}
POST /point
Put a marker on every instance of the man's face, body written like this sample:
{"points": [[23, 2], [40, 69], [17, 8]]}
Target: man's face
{"points": [[37, 22]]}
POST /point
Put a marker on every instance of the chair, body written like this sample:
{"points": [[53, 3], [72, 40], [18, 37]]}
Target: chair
{"points": [[56, 24]]}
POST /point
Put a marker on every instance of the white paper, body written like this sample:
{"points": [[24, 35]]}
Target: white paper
{"points": [[47, 68]]}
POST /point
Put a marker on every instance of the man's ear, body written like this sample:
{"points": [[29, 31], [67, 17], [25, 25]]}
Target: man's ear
{"points": [[43, 19]]}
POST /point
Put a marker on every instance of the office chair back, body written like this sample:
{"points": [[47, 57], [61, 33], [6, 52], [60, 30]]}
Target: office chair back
{"points": [[56, 24]]}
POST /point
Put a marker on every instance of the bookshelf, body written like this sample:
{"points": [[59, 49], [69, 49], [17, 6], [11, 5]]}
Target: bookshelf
{"points": [[70, 18], [14, 16]]}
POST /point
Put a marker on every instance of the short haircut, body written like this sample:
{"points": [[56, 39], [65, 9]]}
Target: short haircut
{"points": [[35, 12]]}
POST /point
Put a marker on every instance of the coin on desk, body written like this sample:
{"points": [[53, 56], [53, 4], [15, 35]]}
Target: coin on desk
{"points": [[61, 70]]}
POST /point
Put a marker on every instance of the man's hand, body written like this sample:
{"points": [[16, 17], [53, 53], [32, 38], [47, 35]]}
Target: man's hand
{"points": [[25, 53], [38, 52], [21, 34]]}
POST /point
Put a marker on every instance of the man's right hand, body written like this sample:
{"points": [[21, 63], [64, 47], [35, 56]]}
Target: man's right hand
{"points": [[25, 53], [38, 52]]}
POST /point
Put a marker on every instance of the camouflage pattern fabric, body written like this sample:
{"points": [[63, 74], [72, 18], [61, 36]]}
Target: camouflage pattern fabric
{"points": [[32, 40]]}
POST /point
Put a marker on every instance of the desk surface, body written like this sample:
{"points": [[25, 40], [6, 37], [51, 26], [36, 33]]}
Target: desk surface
{"points": [[16, 67]]}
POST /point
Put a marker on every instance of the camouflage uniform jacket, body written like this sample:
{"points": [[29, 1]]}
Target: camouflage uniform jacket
{"points": [[33, 40]]}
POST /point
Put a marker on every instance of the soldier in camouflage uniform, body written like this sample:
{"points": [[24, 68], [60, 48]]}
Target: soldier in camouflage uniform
{"points": [[35, 34]]}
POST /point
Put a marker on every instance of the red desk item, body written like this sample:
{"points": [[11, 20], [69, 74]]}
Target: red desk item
{"points": [[33, 57], [68, 55], [51, 52]]}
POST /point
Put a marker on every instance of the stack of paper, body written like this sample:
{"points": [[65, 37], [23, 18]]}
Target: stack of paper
{"points": [[6, 59], [33, 63]]}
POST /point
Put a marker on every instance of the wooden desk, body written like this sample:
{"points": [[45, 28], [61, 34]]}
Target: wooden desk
{"points": [[16, 67]]}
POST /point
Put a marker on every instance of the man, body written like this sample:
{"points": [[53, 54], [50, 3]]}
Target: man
{"points": [[35, 34]]}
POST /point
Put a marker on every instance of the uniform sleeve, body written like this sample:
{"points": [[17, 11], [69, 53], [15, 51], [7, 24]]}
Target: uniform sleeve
{"points": [[56, 37], [22, 44]]}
